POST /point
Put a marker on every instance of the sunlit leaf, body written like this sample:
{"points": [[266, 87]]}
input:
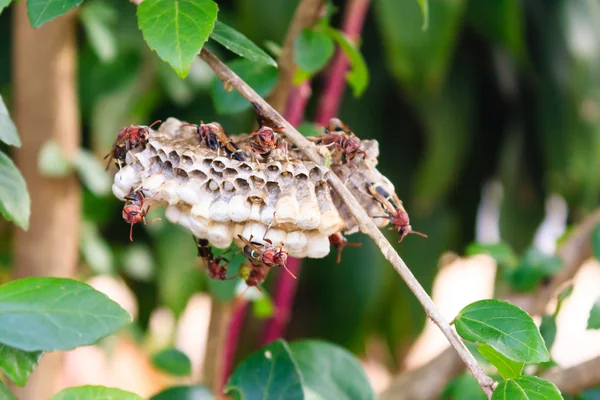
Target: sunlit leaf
{"points": [[3, 4], [260, 77], [526, 388], [138, 262], [98, 19], [594, 318], [532, 268], [185, 393], [501, 252], [358, 76], [94, 248], [268, 373], [329, 371], [56, 314], [503, 326], [240, 44], [8, 130], [92, 172], [17, 364], [173, 362], [52, 161], [263, 307], [94, 393], [15, 204], [177, 30], [424, 4], [312, 50], [42, 11], [506, 368]]}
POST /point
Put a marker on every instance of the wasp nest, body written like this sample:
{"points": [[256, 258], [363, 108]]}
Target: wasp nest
{"points": [[217, 198]]}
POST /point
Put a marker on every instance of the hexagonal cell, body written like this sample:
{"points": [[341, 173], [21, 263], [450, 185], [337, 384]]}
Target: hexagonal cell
{"points": [[217, 165], [229, 173], [186, 161], [228, 186], [245, 167], [215, 174], [273, 170], [241, 184], [212, 185], [180, 174], [161, 154], [174, 158], [257, 181], [198, 175], [315, 174], [273, 189]]}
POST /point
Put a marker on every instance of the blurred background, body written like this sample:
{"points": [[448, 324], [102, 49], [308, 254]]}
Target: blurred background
{"points": [[502, 95]]}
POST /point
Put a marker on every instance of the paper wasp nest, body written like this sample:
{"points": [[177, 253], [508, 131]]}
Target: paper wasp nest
{"points": [[217, 198]]}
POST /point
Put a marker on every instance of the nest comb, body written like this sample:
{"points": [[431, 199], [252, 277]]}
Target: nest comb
{"points": [[218, 198]]}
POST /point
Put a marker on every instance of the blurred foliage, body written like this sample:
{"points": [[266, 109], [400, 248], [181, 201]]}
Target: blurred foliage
{"points": [[507, 91]]}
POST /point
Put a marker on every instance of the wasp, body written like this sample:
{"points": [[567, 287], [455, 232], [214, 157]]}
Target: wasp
{"points": [[265, 254], [129, 138], [253, 274], [338, 134], [212, 264], [394, 210], [339, 241], [266, 138], [214, 137], [134, 212]]}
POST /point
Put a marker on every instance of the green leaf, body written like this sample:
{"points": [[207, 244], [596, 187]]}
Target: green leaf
{"points": [[240, 44], [56, 314], [15, 204], [358, 76], [263, 307], [5, 393], [594, 319], [268, 373], [177, 30], [424, 4], [506, 368], [312, 50], [42, 11], [18, 364], [465, 387], [501, 252], [98, 19], [260, 77], [138, 262], [52, 161], [3, 4], [94, 248], [92, 173], [532, 268], [330, 372], [548, 330], [8, 130], [596, 242], [94, 393], [526, 388], [185, 392], [173, 362], [503, 326]]}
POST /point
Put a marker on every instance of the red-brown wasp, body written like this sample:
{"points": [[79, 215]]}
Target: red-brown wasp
{"points": [[129, 138], [134, 212], [214, 137], [266, 138], [339, 241], [265, 254], [337, 134], [394, 210], [212, 264], [253, 274]]}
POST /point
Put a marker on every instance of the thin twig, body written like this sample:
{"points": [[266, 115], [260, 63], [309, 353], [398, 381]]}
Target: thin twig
{"points": [[305, 16], [365, 223]]}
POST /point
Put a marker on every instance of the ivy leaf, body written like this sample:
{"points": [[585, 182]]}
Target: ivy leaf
{"points": [[526, 388], [424, 4], [260, 77], [42, 11], [503, 326], [595, 241], [312, 50], [173, 362], [506, 368], [177, 30], [330, 372], [94, 393], [358, 76], [15, 204], [594, 319], [6, 394], [18, 364], [240, 44], [268, 373], [184, 392], [8, 130], [56, 314]]}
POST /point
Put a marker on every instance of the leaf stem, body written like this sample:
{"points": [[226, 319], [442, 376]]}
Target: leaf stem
{"points": [[365, 223]]}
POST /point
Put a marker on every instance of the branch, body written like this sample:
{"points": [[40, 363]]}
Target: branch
{"points": [[365, 223], [575, 379], [305, 16], [573, 252]]}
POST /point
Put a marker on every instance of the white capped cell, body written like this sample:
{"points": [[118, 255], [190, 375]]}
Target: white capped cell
{"points": [[309, 216], [296, 240], [331, 222], [277, 236], [219, 211], [317, 245], [266, 216], [118, 192], [172, 213], [239, 208], [201, 209], [254, 230], [153, 182], [286, 210], [188, 194], [126, 178], [198, 227], [220, 235]]}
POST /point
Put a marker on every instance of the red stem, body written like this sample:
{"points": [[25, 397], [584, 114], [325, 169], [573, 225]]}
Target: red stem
{"points": [[233, 335], [335, 83]]}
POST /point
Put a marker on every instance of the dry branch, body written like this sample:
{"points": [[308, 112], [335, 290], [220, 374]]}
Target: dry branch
{"points": [[365, 223]]}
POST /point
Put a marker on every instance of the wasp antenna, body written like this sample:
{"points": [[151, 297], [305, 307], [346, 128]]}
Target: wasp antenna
{"points": [[131, 232], [339, 257], [289, 272], [419, 233], [154, 123]]}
